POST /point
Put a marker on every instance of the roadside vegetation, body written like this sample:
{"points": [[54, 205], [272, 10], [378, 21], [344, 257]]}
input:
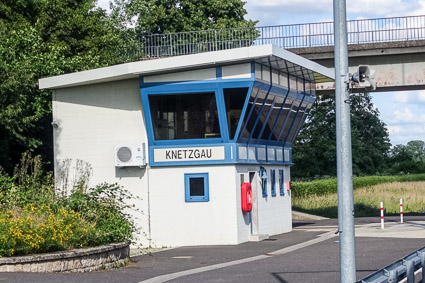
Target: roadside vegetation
{"points": [[322, 199], [35, 218]]}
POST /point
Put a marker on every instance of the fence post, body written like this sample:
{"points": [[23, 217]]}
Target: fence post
{"points": [[392, 276], [410, 271], [423, 266], [382, 215]]}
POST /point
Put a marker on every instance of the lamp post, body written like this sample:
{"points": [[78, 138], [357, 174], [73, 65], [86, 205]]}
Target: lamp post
{"points": [[347, 246]]}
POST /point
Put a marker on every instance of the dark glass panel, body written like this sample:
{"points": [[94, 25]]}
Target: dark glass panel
{"points": [[263, 117], [307, 111], [196, 186], [292, 113], [234, 99], [254, 105], [272, 120], [282, 118], [297, 121], [184, 116]]}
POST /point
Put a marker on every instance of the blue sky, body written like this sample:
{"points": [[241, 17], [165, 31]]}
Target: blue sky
{"points": [[403, 112]]}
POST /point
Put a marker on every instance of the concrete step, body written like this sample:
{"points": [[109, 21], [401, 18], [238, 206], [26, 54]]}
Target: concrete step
{"points": [[258, 237]]}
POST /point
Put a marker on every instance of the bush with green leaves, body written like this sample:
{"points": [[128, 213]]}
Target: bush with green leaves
{"points": [[36, 229], [37, 217]]}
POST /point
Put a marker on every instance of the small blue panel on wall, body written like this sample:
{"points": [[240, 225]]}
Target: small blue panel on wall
{"points": [[196, 186]]}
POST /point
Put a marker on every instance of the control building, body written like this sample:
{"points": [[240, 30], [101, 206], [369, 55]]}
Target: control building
{"points": [[185, 133]]}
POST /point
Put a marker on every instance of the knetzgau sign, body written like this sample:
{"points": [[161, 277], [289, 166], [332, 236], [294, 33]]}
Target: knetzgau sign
{"points": [[189, 154]]}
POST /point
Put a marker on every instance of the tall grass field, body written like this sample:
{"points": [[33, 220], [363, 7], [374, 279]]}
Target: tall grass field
{"points": [[366, 198]]}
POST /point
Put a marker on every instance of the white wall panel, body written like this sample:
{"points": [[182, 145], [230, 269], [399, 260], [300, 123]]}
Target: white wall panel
{"points": [[91, 120]]}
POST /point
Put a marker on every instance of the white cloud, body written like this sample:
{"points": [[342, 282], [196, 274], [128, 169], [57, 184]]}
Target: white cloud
{"points": [[394, 129], [382, 8], [404, 116], [421, 96], [410, 97], [407, 133], [401, 97], [308, 11]]}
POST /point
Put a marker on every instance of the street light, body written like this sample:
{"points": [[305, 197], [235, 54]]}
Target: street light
{"points": [[347, 244]]}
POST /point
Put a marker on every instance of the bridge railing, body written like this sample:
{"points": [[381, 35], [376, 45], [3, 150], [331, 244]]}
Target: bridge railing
{"points": [[285, 36]]}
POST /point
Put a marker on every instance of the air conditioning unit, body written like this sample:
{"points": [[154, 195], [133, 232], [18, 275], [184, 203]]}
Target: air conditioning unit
{"points": [[127, 155]]}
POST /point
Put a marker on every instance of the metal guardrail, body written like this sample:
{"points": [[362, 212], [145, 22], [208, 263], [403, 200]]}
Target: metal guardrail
{"points": [[400, 269], [284, 36]]}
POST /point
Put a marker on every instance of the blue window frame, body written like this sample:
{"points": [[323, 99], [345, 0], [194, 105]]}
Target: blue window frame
{"points": [[262, 173], [264, 187], [273, 182], [196, 186], [281, 187]]}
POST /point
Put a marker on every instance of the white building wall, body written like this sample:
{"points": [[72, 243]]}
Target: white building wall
{"points": [[91, 120], [175, 222], [274, 212]]}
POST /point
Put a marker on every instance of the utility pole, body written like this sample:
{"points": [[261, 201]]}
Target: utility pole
{"points": [[347, 245]]}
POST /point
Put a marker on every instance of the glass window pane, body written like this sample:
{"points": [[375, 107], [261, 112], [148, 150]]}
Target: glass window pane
{"points": [[298, 119], [234, 99], [282, 118], [283, 80], [301, 123], [263, 117], [293, 83], [184, 116], [254, 105], [300, 85], [292, 113], [272, 120], [196, 186]]}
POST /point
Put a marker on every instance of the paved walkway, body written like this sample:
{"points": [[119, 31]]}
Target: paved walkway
{"points": [[307, 254]]}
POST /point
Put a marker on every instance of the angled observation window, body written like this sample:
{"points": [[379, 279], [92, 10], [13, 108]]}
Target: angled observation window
{"points": [[300, 116], [290, 119], [184, 116], [234, 99], [255, 106]]}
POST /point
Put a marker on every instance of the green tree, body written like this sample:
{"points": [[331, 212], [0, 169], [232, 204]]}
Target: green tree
{"points": [[39, 39], [50, 37], [167, 16], [314, 152], [408, 158]]}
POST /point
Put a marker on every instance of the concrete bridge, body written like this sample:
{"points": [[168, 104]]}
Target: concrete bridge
{"points": [[398, 65], [393, 47]]}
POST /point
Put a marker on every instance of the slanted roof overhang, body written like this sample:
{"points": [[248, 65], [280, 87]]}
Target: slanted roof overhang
{"points": [[268, 55]]}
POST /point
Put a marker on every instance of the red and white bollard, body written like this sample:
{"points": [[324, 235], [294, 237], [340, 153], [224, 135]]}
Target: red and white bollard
{"points": [[382, 215], [401, 210]]}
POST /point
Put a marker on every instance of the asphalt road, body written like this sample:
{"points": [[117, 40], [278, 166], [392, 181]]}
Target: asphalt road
{"points": [[254, 262]]}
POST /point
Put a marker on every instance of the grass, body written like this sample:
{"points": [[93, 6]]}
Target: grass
{"points": [[367, 200]]}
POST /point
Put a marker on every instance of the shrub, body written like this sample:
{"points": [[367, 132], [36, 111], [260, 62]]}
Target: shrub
{"points": [[29, 184], [40, 229], [34, 217], [105, 206]]}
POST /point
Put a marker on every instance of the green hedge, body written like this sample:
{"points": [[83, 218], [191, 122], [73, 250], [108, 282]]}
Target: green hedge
{"points": [[329, 186]]}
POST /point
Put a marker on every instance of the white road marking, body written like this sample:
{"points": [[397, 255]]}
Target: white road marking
{"points": [[171, 276]]}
